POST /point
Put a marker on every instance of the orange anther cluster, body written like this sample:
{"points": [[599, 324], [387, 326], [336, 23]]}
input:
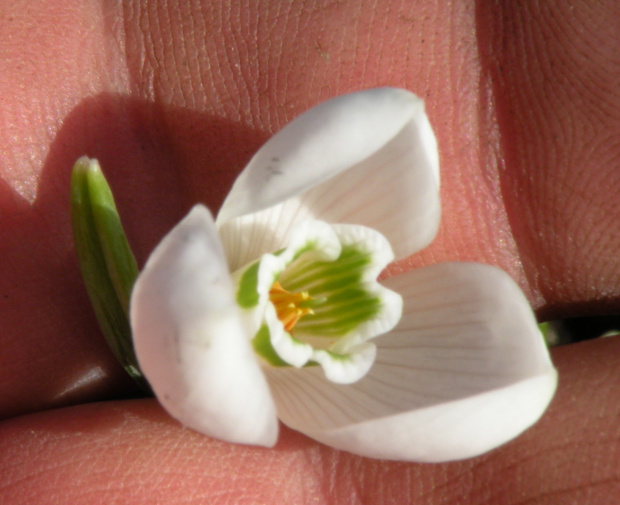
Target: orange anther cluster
{"points": [[287, 305]]}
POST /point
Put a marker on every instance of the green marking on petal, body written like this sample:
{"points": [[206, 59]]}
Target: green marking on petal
{"points": [[320, 299], [308, 246], [312, 303], [316, 277], [247, 294], [262, 346], [346, 302], [338, 357], [333, 355], [340, 324]]}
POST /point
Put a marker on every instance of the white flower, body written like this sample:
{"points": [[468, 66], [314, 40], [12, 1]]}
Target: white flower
{"points": [[462, 371]]}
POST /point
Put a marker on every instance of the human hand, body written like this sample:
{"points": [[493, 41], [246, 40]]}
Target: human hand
{"points": [[173, 101]]}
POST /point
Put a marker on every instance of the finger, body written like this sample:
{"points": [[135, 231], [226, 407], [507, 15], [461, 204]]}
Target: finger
{"points": [[552, 74], [52, 353], [133, 452]]}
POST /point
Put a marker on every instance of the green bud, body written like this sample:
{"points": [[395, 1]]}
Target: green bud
{"points": [[108, 266]]}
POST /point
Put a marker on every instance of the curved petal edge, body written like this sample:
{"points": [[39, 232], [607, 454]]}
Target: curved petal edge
{"points": [[190, 342], [319, 144], [452, 431], [368, 158]]}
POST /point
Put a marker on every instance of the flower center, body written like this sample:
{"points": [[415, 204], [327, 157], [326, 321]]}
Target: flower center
{"points": [[290, 307], [317, 301]]}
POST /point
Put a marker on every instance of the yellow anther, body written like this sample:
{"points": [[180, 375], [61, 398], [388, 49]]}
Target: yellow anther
{"points": [[287, 305]]}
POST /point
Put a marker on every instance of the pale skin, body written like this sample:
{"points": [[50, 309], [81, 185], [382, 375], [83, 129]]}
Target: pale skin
{"points": [[173, 101]]}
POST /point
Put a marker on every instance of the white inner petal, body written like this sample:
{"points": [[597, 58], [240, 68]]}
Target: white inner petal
{"points": [[335, 268]]}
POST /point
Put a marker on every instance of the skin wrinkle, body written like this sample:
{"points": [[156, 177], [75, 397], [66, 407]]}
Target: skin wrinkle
{"points": [[239, 53], [133, 46], [198, 27], [188, 58], [144, 78], [290, 22], [162, 64]]}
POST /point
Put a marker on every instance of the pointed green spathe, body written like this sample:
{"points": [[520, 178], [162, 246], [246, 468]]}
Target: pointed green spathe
{"points": [[108, 266]]}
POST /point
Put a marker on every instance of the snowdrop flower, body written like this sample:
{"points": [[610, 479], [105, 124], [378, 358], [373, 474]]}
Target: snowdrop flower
{"points": [[274, 310]]}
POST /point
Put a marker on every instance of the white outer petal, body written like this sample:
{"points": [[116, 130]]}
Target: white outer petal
{"points": [[190, 342], [366, 158], [465, 371], [451, 431]]}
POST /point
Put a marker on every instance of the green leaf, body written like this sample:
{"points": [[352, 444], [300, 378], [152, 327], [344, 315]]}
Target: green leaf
{"points": [[108, 266]]}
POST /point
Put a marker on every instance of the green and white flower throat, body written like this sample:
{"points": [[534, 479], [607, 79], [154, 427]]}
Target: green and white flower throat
{"points": [[318, 302]]}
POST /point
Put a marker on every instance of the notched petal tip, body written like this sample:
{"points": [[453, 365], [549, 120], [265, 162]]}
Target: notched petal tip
{"points": [[190, 341], [347, 368]]}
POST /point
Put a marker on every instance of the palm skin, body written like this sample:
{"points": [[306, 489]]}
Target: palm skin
{"points": [[174, 100]]}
